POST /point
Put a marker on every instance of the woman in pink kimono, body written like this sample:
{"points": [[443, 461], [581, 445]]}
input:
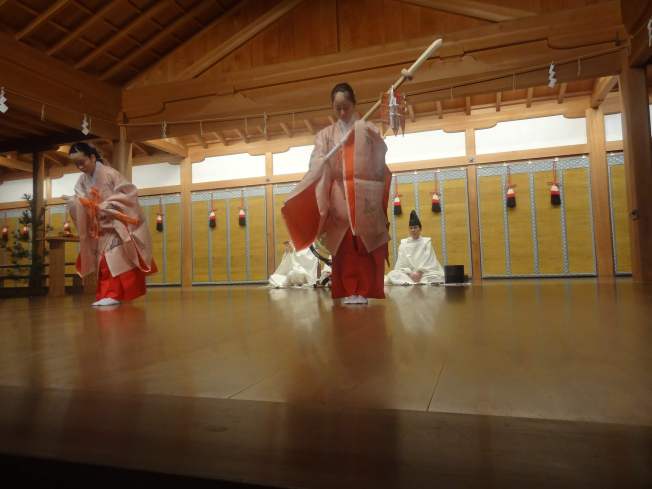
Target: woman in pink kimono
{"points": [[343, 200], [114, 239]]}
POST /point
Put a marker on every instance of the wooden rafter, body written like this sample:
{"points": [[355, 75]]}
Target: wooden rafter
{"points": [[411, 113], [286, 129], [476, 9], [562, 92], [530, 95], [14, 164], [153, 10], [309, 126], [467, 105], [219, 52], [440, 110], [157, 38], [241, 135], [499, 99], [171, 146], [41, 18], [601, 89]]}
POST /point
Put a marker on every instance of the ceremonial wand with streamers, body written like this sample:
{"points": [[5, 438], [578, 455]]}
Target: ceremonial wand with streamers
{"points": [[406, 74]]}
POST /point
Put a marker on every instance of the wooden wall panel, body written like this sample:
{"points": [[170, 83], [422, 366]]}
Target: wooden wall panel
{"points": [[457, 229], [578, 221], [549, 237], [520, 228], [257, 238], [157, 241], [238, 244], [280, 229], [173, 242], [218, 240], [491, 225], [200, 241], [621, 219], [430, 221]]}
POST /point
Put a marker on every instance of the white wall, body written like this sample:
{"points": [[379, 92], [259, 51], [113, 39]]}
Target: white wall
{"points": [[156, 175], [228, 167], [13, 190], [540, 132], [613, 126], [427, 145], [65, 185], [295, 160]]}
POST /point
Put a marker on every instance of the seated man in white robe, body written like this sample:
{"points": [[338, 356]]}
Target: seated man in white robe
{"points": [[417, 263], [297, 268]]}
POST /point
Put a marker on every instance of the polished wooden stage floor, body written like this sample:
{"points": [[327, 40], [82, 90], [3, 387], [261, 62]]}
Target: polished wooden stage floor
{"points": [[508, 384]]}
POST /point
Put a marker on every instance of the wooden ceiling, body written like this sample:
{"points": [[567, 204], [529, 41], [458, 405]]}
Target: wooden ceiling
{"points": [[113, 40], [142, 62]]}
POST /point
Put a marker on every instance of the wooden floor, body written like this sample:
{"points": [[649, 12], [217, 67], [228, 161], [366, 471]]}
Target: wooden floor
{"points": [[508, 384]]}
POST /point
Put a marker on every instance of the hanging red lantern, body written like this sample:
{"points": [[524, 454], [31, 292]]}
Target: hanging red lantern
{"points": [[24, 233], [555, 195], [510, 196], [5, 233], [242, 215], [159, 216], [436, 201]]}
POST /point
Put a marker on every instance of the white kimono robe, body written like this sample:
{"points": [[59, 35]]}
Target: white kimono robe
{"points": [[297, 268], [416, 255]]}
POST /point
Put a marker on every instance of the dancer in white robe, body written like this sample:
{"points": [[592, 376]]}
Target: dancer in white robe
{"points": [[417, 263], [297, 268]]}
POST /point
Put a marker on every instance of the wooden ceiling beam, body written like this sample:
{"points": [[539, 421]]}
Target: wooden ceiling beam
{"points": [[110, 42], [151, 42], [14, 164], [601, 89], [85, 24], [476, 9], [234, 42], [170, 145], [309, 126], [499, 99], [562, 92], [41, 18], [467, 105]]}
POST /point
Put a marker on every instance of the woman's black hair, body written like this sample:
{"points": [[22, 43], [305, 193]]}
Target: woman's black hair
{"points": [[85, 148], [344, 88]]}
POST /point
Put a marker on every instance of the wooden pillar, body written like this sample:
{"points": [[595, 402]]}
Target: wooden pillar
{"points": [[600, 193], [122, 150], [269, 206], [638, 167], [38, 221], [474, 215], [186, 227]]}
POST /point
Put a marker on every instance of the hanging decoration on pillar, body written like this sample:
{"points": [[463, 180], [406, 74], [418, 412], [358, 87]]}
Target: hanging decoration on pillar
{"points": [[24, 233], [436, 204], [398, 210], [159, 215], [86, 125], [66, 228], [212, 220], [555, 195], [510, 195], [393, 109], [552, 80], [242, 215], [5, 230], [3, 99]]}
